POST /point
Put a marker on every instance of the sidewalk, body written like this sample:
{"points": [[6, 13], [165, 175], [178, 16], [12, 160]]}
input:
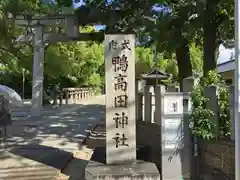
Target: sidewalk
{"points": [[41, 150], [76, 168]]}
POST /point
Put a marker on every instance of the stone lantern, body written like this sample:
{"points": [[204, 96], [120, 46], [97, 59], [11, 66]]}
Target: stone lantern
{"points": [[155, 77]]}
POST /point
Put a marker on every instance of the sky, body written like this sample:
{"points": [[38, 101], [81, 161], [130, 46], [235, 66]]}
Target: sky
{"points": [[224, 54], [76, 5]]}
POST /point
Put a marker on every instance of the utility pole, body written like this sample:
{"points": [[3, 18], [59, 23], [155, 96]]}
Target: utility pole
{"points": [[237, 91], [155, 45], [155, 49], [23, 83], [155, 58], [154, 20]]}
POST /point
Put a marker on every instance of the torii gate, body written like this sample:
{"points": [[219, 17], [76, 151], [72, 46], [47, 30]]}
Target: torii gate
{"points": [[39, 40]]}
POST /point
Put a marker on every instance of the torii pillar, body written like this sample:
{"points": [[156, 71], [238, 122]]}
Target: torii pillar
{"points": [[38, 69]]}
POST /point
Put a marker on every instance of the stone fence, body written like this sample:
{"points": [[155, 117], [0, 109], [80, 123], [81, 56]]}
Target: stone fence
{"points": [[217, 159], [162, 112], [74, 95], [212, 159]]}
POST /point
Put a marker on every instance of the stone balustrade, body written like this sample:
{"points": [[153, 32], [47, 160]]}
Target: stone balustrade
{"points": [[74, 95]]}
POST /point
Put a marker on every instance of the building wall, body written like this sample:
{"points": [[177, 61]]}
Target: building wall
{"points": [[228, 76], [226, 69]]}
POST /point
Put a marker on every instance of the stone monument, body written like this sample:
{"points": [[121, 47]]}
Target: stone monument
{"points": [[120, 161], [120, 103]]}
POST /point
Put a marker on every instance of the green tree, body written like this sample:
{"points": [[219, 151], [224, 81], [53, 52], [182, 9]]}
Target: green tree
{"points": [[196, 55], [72, 64], [144, 60], [218, 26]]}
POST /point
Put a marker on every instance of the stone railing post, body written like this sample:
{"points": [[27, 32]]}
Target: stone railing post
{"points": [[74, 96], [189, 167], [212, 103], [66, 96], [158, 91], [85, 93], [88, 94], [70, 96], [147, 104], [60, 98], [78, 95], [232, 109], [139, 107], [81, 93]]}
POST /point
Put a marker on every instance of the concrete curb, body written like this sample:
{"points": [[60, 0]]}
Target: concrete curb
{"points": [[88, 132]]}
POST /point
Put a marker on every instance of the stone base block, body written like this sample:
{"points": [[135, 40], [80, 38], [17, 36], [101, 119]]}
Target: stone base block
{"points": [[97, 169], [138, 171]]}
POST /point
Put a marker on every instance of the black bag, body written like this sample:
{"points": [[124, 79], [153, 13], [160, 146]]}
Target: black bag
{"points": [[5, 118]]}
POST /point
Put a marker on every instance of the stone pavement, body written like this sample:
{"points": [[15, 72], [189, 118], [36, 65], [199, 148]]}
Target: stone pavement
{"points": [[41, 149]]}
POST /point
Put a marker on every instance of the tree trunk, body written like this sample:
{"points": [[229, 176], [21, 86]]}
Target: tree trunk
{"points": [[183, 61], [210, 37]]}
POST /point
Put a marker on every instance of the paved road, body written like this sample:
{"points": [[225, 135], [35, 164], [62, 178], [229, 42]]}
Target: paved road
{"points": [[41, 148]]}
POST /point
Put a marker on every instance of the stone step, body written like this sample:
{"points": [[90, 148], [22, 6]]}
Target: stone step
{"points": [[40, 172]]}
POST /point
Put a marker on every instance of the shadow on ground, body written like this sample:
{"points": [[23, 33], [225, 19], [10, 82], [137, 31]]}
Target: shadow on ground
{"points": [[40, 147], [65, 128], [49, 156], [77, 165]]}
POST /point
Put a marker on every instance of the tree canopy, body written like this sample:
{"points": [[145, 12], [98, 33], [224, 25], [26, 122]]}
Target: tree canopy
{"points": [[187, 34]]}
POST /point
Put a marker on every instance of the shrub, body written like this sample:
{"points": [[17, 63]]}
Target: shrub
{"points": [[200, 123]]}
